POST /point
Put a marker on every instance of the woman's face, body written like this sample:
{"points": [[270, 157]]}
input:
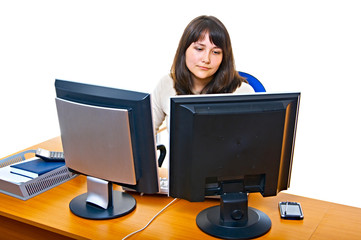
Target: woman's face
{"points": [[203, 59]]}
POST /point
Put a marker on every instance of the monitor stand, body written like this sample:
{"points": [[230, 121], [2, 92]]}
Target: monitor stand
{"points": [[233, 219], [101, 201]]}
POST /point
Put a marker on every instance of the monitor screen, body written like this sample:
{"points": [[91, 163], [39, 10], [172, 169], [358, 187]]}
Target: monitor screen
{"points": [[107, 135], [231, 145]]}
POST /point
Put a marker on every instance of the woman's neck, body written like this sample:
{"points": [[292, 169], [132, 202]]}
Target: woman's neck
{"points": [[199, 84]]}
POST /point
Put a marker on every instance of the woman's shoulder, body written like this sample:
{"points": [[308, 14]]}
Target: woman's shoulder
{"points": [[166, 81], [244, 88], [165, 85]]}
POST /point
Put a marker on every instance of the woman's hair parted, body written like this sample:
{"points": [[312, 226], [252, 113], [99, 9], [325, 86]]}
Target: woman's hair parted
{"points": [[226, 79]]}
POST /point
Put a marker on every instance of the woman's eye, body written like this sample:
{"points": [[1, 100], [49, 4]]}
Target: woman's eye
{"points": [[198, 48], [217, 52]]}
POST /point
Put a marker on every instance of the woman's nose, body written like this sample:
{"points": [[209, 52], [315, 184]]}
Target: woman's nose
{"points": [[205, 58]]}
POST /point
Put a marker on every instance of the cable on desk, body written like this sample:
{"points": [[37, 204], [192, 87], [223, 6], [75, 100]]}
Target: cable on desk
{"points": [[151, 220]]}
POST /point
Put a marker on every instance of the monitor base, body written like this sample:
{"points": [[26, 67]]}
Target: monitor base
{"points": [[209, 222], [123, 203]]}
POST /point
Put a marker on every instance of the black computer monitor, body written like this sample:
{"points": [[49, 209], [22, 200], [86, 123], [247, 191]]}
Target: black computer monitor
{"points": [[107, 134], [231, 145]]}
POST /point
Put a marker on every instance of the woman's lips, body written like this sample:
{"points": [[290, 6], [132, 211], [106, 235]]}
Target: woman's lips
{"points": [[203, 68]]}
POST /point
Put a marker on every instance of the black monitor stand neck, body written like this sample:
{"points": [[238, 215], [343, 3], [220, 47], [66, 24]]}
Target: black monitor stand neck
{"points": [[233, 219]]}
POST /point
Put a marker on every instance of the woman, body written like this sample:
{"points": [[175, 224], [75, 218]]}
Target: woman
{"points": [[203, 64]]}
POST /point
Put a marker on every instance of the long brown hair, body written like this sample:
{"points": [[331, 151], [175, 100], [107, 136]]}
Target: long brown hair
{"points": [[226, 79]]}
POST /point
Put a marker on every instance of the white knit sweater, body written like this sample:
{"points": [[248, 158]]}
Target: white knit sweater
{"points": [[161, 99]]}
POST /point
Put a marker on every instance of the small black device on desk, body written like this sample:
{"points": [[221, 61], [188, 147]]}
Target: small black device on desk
{"points": [[47, 155], [291, 210]]}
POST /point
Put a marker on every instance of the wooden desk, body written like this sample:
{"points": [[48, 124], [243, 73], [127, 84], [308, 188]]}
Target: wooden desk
{"points": [[47, 216]]}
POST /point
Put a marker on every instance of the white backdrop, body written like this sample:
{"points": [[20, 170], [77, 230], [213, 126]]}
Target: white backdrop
{"points": [[307, 46]]}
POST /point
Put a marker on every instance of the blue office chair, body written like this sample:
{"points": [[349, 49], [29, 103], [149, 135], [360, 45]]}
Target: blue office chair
{"points": [[254, 82]]}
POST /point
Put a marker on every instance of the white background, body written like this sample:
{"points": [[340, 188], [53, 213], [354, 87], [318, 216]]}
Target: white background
{"points": [[309, 46]]}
